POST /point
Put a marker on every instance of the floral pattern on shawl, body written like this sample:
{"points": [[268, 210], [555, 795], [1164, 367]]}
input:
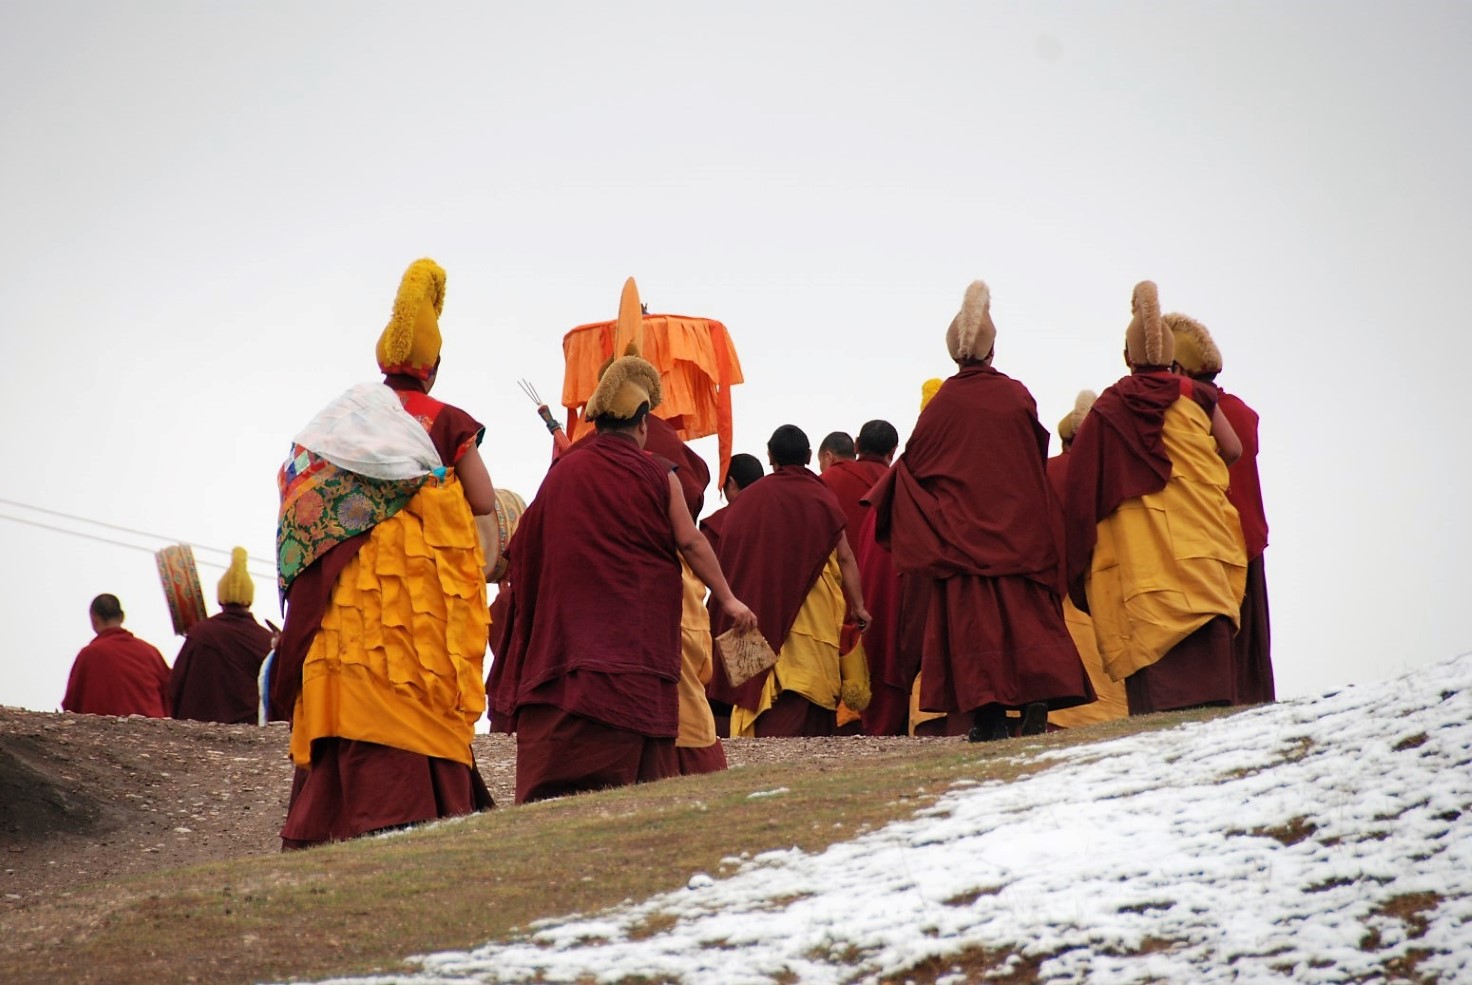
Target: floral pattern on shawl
{"points": [[323, 505]]}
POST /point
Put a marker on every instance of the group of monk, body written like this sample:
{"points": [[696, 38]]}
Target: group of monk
{"points": [[970, 586], [214, 677]]}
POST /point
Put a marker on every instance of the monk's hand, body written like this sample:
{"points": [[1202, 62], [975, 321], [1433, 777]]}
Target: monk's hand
{"points": [[743, 617], [862, 619]]}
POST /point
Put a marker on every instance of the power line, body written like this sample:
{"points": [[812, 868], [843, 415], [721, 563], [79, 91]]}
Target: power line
{"points": [[271, 576], [105, 524]]}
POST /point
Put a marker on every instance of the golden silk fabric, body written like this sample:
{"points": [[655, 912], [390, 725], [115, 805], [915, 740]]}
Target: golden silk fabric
{"points": [[808, 660], [398, 658], [1167, 562]]}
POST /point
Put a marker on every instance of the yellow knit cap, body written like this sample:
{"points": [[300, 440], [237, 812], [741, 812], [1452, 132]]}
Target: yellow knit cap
{"points": [[410, 343], [236, 588], [928, 390]]}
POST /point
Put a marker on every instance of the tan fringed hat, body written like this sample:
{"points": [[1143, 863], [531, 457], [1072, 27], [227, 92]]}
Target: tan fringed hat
{"points": [[236, 588], [627, 383], [1196, 351], [410, 343], [1147, 342], [972, 334], [1069, 426]]}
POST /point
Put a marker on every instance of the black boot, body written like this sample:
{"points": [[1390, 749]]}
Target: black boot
{"points": [[1035, 719], [988, 724]]}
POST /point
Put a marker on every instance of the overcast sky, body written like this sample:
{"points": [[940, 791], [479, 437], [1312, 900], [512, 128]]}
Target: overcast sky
{"points": [[207, 207]]}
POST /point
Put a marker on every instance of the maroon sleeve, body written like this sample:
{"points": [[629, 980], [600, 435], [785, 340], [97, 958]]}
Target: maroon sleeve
{"points": [[455, 432]]}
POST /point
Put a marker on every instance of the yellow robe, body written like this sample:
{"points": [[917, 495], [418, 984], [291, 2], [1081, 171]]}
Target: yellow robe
{"points": [[808, 660], [697, 724], [398, 658], [1167, 562], [1111, 702]]}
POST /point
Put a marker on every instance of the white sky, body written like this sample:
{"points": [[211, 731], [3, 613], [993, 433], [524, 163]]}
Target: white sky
{"points": [[1147, 837], [207, 207]]}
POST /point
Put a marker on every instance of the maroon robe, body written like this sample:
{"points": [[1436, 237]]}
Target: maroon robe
{"points": [[892, 665], [690, 468], [713, 525], [594, 628], [776, 541], [1252, 647], [118, 674], [851, 482], [968, 506], [217, 672]]}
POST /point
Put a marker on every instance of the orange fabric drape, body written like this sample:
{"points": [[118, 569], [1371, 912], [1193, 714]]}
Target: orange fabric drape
{"points": [[697, 366]]}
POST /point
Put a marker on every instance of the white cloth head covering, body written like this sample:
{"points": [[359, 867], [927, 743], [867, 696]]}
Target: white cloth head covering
{"points": [[368, 432]]}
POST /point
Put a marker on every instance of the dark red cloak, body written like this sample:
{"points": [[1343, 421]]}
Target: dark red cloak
{"points": [[968, 507], [712, 526], [594, 627], [777, 539], [1252, 646], [216, 675], [1245, 490]]}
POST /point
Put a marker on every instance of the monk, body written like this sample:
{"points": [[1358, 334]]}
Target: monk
{"points": [[742, 471], [785, 549], [851, 479], [1111, 702], [968, 506], [1197, 356], [1155, 548], [836, 446], [117, 673], [216, 675], [590, 679], [697, 743], [380, 657]]}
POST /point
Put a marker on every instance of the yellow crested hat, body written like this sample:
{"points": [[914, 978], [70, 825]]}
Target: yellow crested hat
{"points": [[410, 343], [971, 334], [1196, 351], [236, 588], [928, 390]]}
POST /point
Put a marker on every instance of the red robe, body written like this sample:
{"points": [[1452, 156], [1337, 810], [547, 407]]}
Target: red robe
{"points": [[713, 525], [968, 506], [776, 542], [1252, 646], [594, 628], [216, 675], [690, 468], [851, 482], [118, 674]]}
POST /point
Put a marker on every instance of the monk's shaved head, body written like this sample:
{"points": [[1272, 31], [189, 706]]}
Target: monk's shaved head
{"points": [[878, 438], [789, 445], [838, 444]]}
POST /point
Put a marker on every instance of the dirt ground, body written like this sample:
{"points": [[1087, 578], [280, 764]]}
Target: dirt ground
{"points": [[84, 798]]}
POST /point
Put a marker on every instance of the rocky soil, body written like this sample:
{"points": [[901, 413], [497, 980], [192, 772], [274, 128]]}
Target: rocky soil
{"points": [[87, 797]]}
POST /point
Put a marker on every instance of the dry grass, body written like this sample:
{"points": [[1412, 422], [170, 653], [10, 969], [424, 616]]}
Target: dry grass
{"points": [[361, 907]]}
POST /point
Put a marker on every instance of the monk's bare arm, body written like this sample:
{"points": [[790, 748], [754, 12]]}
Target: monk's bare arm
{"points": [[476, 481], [1228, 445], [853, 589], [702, 559]]}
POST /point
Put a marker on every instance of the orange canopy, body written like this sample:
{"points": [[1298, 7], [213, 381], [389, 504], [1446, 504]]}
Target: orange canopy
{"points": [[697, 367]]}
